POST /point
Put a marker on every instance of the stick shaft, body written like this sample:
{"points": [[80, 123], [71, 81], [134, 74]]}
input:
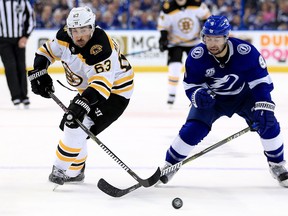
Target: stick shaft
{"points": [[116, 192], [144, 182]]}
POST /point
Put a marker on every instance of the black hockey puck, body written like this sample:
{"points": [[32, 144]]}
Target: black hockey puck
{"points": [[177, 203]]}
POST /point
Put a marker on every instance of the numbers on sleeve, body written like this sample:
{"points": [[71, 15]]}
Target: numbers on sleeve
{"points": [[102, 67], [106, 65], [124, 64]]}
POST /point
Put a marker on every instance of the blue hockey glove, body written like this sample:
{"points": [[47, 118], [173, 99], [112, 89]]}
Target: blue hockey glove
{"points": [[41, 82], [264, 116], [203, 98], [77, 110]]}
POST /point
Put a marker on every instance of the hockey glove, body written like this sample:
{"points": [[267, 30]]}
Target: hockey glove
{"points": [[77, 110], [264, 116], [41, 82], [203, 98], [163, 41]]}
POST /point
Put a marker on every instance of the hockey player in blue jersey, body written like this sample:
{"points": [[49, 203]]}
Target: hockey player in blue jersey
{"points": [[226, 76]]}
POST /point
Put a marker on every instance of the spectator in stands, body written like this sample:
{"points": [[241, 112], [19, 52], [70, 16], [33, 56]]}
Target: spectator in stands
{"points": [[237, 6], [123, 19], [145, 21], [155, 10], [268, 10], [249, 16], [87, 3], [44, 20], [108, 21], [134, 13], [236, 22], [57, 19], [146, 5], [64, 7], [282, 15], [282, 27], [130, 11], [220, 7]]}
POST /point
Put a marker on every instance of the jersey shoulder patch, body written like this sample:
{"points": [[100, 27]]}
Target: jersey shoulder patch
{"points": [[98, 48], [197, 52], [243, 48]]}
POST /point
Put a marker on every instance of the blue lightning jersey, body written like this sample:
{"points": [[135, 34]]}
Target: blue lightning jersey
{"points": [[244, 73]]}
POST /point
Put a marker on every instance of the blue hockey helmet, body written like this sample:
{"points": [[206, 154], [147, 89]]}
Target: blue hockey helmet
{"points": [[216, 26]]}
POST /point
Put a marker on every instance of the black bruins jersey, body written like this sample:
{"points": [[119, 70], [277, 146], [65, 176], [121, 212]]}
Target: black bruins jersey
{"points": [[99, 64]]}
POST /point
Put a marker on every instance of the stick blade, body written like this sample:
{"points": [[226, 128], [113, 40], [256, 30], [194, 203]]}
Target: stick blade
{"points": [[152, 179], [110, 190]]}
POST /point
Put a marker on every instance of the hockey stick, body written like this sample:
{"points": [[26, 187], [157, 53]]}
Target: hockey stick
{"points": [[143, 182], [138, 52], [148, 50], [109, 189]]}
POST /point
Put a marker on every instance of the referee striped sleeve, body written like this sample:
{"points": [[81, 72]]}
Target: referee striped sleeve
{"points": [[17, 18]]}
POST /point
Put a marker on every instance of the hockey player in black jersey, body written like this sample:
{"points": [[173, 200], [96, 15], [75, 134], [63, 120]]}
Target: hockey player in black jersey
{"points": [[94, 65]]}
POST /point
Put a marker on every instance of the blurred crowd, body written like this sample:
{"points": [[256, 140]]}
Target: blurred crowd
{"points": [[143, 14]]}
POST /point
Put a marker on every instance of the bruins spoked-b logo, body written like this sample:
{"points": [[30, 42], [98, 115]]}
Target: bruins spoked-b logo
{"points": [[95, 49], [185, 25], [72, 78]]}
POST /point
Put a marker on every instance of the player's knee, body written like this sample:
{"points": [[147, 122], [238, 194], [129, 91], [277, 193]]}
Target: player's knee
{"points": [[271, 132], [192, 132]]}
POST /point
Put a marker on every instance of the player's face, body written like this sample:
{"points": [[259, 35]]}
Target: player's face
{"points": [[215, 44], [81, 35]]}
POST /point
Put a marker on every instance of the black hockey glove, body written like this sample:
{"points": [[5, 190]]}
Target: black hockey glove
{"points": [[203, 98], [78, 107], [264, 116], [41, 82], [163, 41]]}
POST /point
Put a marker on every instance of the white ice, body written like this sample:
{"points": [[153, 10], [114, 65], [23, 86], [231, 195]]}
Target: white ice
{"points": [[231, 180]]}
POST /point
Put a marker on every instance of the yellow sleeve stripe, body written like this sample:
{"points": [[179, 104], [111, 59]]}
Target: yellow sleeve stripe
{"points": [[81, 58], [111, 42], [50, 51], [43, 51], [126, 89], [63, 43], [100, 89], [124, 79], [68, 149], [161, 27], [100, 78]]}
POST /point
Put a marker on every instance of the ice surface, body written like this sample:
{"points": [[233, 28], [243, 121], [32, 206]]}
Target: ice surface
{"points": [[231, 180]]}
